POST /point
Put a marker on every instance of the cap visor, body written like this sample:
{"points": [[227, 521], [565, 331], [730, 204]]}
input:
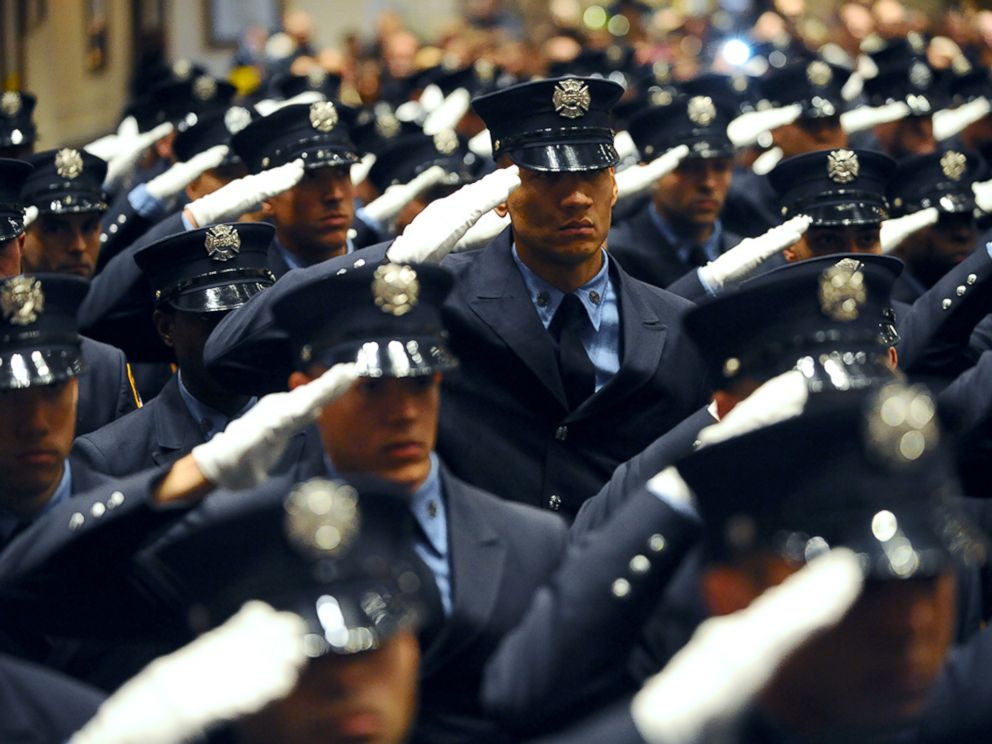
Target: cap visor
{"points": [[847, 370], [566, 157], [215, 299], [394, 357], [10, 226], [843, 213], [71, 204], [26, 368]]}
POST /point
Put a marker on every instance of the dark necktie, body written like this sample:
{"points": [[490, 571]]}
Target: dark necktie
{"points": [[577, 373]]}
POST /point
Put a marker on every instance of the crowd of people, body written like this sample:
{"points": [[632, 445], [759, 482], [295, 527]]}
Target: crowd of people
{"points": [[614, 376]]}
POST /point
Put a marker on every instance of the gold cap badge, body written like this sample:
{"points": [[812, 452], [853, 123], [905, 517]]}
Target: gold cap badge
{"points": [[842, 290], [10, 103], [842, 166], [222, 242], [68, 163], [701, 110], [323, 116], [571, 98], [22, 300], [236, 118], [818, 73], [322, 518], [395, 288], [902, 424], [953, 164], [387, 125], [445, 142], [920, 75], [204, 88]]}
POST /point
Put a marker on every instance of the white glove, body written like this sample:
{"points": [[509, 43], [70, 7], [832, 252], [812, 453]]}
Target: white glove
{"points": [[449, 113], [637, 179], [780, 398], [434, 233], [869, 117], [707, 685], [746, 128], [232, 671], [767, 160], [360, 170], [897, 229], [130, 150], [30, 215], [983, 195], [242, 195], [384, 209], [128, 128], [624, 145], [242, 455], [740, 261], [948, 122], [105, 147], [488, 227], [181, 175], [430, 98], [410, 111], [669, 484], [482, 144], [853, 87]]}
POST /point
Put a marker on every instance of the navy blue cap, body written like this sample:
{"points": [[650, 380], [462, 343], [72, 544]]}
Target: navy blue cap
{"points": [[17, 127], [912, 81], [39, 336], [387, 318], [318, 133], [13, 174], [558, 124], [210, 269], [736, 93], [834, 187], [188, 99], [865, 470], [341, 560], [318, 80], [412, 154], [975, 83], [816, 85], [941, 179], [377, 128], [699, 122], [829, 316], [65, 181], [210, 130], [478, 78]]}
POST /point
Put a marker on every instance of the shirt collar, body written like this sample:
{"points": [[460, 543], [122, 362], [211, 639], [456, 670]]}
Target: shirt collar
{"points": [[682, 246], [547, 298], [210, 419]]}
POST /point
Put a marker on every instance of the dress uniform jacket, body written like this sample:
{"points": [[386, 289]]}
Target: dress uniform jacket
{"points": [[645, 254], [106, 391], [505, 424]]}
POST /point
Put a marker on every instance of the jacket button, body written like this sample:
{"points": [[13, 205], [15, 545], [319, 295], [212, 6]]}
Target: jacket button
{"points": [[656, 543], [554, 502], [561, 433], [945, 304], [76, 521], [639, 564], [621, 588]]}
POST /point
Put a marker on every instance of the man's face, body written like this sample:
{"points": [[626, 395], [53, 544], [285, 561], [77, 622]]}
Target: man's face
{"points": [[37, 426], [562, 218], [875, 668], [828, 240], [935, 250], [10, 256], [910, 136], [369, 697], [313, 218], [186, 334], [63, 244], [694, 192], [807, 135], [383, 428]]}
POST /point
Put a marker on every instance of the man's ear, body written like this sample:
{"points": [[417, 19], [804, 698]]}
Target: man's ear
{"points": [[296, 379], [502, 209], [726, 590], [616, 190], [165, 325], [893, 358]]}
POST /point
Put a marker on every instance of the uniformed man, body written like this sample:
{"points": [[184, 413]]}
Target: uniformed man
{"points": [[17, 128], [313, 218], [680, 228], [13, 173], [196, 277], [66, 187]]}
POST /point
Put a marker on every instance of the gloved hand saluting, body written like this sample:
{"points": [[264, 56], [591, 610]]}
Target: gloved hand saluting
{"points": [[896, 230], [129, 150], [436, 231], [384, 209], [242, 195], [181, 175], [232, 671], [242, 455], [637, 179], [701, 693], [740, 261]]}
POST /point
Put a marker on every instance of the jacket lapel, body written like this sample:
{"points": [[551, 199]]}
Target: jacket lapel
{"points": [[175, 429], [498, 296]]}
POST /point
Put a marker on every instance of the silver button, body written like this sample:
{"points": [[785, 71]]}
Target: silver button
{"points": [[640, 564], [656, 543], [543, 299], [97, 509], [432, 509], [122, 218], [561, 433], [945, 304], [76, 521], [621, 588], [961, 290], [115, 500], [103, 237], [554, 502], [594, 297], [359, 263], [972, 278], [113, 228]]}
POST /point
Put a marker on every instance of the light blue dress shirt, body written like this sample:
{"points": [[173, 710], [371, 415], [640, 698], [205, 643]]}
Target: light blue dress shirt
{"points": [[683, 248], [211, 421], [601, 338]]}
